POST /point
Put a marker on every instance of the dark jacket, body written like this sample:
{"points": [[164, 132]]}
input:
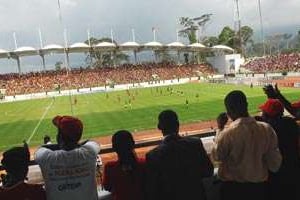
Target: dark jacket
{"points": [[175, 169], [287, 131], [284, 184]]}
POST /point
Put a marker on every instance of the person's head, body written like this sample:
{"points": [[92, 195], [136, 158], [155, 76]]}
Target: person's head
{"points": [[69, 130], [168, 122], [123, 145], [47, 139], [272, 108], [122, 141], [15, 162], [236, 104]]}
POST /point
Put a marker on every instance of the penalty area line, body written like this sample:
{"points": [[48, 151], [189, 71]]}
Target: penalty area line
{"points": [[40, 121]]}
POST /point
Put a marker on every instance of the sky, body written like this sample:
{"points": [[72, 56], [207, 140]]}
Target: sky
{"points": [[25, 17]]}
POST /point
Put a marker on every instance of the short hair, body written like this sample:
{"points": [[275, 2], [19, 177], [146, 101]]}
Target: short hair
{"points": [[236, 102], [168, 121]]}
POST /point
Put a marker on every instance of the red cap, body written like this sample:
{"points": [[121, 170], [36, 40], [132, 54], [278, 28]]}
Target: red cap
{"points": [[272, 107], [296, 104], [70, 127]]}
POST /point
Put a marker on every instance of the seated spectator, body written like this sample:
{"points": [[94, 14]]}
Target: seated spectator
{"points": [[245, 150], [15, 162], [176, 167], [124, 178], [274, 92], [283, 184], [69, 172]]}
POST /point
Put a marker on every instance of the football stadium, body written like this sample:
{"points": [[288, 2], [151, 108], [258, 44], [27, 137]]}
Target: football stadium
{"points": [[132, 109], [89, 113]]}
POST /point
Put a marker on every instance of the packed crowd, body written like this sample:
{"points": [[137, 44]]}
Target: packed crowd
{"points": [[86, 78], [275, 63], [258, 158]]}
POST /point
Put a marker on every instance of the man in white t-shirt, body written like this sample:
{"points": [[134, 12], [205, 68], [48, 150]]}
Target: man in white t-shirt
{"points": [[69, 171]]}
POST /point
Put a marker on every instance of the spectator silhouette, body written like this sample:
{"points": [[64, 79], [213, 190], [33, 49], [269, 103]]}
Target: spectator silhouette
{"points": [[176, 167], [274, 93], [47, 139], [69, 172], [245, 150], [124, 178], [15, 162], [283, 184]]}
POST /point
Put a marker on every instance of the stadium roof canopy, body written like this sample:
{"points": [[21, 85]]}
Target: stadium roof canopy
{"points": [[176, 45], [79, 47], [198, 47], [4, 53], [105, 46], [52, 48], [153, 45], [25, 51], [129, 46], [223, 47]]}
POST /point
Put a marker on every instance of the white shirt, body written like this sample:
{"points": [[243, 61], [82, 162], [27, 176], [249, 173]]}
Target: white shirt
{"points": [[246, 150], [69, 174]]}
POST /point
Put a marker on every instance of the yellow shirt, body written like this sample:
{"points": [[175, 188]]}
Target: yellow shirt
{"points": [[246, 150]]}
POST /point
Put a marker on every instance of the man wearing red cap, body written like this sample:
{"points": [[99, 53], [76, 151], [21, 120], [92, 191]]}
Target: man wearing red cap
{"points": [[69, 172], [274, 93], [284, 183]]}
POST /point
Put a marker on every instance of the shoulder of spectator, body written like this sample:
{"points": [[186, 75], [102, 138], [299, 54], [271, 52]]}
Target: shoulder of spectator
{"points": [[221, 134], [52, 147], [41, 152], [94, 146]]}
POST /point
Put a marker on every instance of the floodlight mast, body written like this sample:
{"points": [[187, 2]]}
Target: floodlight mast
{"points": [[237, 24], [262, 28], [66, 52]]}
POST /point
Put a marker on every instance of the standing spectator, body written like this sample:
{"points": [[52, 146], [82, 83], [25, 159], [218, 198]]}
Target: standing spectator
{"points": [[124, 178], [283, 184], [292, 108], [15, 162], [176, 167], [246, 150], [69, 172]]}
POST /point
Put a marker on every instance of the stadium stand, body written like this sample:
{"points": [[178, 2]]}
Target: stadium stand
{"points": [[34, 82], [275, 63]]}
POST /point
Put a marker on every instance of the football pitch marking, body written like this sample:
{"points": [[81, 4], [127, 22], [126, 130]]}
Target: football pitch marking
{"points": [[40, 121]]}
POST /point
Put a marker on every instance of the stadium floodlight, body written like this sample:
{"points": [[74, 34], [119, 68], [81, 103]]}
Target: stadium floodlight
{"points": [[237, 23], [261, 28]]}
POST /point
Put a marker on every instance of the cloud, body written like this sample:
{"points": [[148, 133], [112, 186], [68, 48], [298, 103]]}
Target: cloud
{"points": [[71, 3], [26, 16]]}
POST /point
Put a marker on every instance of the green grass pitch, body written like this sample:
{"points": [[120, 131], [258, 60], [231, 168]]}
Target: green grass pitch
{"points": [[104, 113]]}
